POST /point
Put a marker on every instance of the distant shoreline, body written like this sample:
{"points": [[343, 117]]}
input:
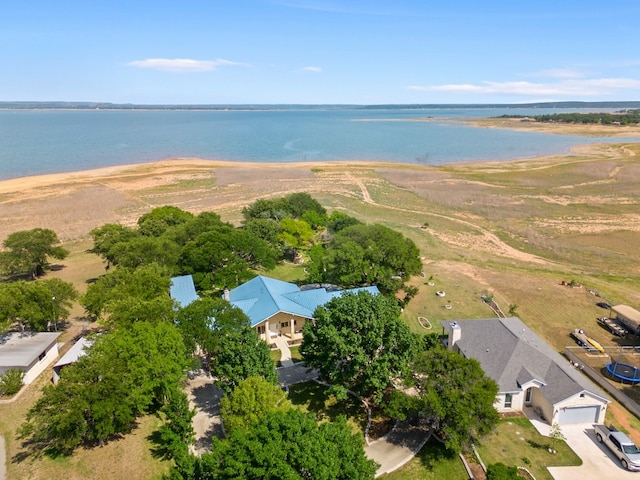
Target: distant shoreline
{"points": [[590, 131], [62, 105]]}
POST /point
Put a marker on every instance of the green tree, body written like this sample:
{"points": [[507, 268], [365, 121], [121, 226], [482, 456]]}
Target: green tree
{"points": [[295, 233], [294, 205], [11, 382], [144, 283], [289, 445], [457, 397], [28, 252], [274, 209], [369, 255], [241, 354], [225, 257], [300, 203], [124, 374], [143, 250], [204, 322], [127, 310], [266, 229], [358, 342], [338, 221], [161, 219], [249, 401], [36, 305], [176, 434], [108, 236]]}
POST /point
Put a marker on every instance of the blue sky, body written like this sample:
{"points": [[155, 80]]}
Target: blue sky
{"points": [[319, 51]]}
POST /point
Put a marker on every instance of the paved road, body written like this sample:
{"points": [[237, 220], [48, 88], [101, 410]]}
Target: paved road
{"points": [[398, 447]]}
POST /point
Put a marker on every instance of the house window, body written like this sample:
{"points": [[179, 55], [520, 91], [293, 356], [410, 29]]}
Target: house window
{"points": [[42, 355], [582, 395], [284, 324], [507, 400], [260, 329]]}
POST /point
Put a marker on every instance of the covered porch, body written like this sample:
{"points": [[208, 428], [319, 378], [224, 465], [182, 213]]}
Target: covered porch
{"points": [[281, 325]]}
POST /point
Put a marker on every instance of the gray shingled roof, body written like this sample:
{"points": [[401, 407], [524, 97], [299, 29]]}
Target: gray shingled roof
{"points": [[512, 354]]}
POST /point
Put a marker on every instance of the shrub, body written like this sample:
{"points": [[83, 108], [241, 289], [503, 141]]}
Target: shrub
{"points": [[11, 382], [499, 471]]}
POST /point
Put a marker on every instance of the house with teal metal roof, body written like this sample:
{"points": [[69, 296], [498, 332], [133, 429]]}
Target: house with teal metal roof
{"points": [[183, 290], [277, 308]]}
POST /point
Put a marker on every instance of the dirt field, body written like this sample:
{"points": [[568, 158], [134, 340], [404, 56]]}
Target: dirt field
{"points": [[514, 229]]}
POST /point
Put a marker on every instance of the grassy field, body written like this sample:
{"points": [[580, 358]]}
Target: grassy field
{"points": [[514, 230]]}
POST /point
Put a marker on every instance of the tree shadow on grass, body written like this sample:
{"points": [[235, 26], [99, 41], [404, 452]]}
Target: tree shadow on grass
{"points": [[434, 453], [310, 394], [158, 448], [325, 406]]}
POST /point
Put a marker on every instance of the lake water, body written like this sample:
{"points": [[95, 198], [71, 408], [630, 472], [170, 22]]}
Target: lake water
{"points": [[35, 142]]}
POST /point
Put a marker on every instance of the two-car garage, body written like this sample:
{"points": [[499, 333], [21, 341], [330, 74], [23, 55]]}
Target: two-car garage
{"points": [[583, 414]]}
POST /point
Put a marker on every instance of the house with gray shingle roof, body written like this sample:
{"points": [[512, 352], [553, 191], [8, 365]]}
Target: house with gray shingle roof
{"points": [[277, 308], [529, 373]]}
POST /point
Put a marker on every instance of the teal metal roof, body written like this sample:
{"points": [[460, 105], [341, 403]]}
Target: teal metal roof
{"points": [[182, 290], [263, 297]]}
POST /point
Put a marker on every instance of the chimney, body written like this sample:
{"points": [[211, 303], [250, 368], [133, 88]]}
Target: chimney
{"points": [[226, 294], [455, 333]]}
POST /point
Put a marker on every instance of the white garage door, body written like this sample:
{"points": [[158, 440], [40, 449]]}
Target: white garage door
{"points": [[570, 415]]}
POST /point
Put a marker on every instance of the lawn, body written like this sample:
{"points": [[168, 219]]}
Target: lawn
{"points": [[312, 397], [295, 355], [516, 442], [433, 462]]}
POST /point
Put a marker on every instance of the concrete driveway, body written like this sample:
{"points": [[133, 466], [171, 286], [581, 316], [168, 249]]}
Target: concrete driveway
{"points": [[597, 461]]}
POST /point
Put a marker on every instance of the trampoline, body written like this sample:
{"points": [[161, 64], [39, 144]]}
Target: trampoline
{"points": [[624, 372]]}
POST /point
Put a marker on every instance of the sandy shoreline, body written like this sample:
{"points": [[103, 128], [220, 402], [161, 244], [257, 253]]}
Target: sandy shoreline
{"points": [[73, 203], [591, 131]]}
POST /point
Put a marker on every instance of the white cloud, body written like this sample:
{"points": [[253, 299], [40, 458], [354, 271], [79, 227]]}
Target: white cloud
{"points": [[558, 73], [181, 65], [572, 87], [311, 69]]}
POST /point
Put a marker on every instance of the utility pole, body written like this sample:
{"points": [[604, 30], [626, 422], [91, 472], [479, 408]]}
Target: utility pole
{"points": [[53, 309]]}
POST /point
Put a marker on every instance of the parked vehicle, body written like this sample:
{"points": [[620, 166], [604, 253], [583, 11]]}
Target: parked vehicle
{"points": [[621, 446], [585, 341], [611, 325]]}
